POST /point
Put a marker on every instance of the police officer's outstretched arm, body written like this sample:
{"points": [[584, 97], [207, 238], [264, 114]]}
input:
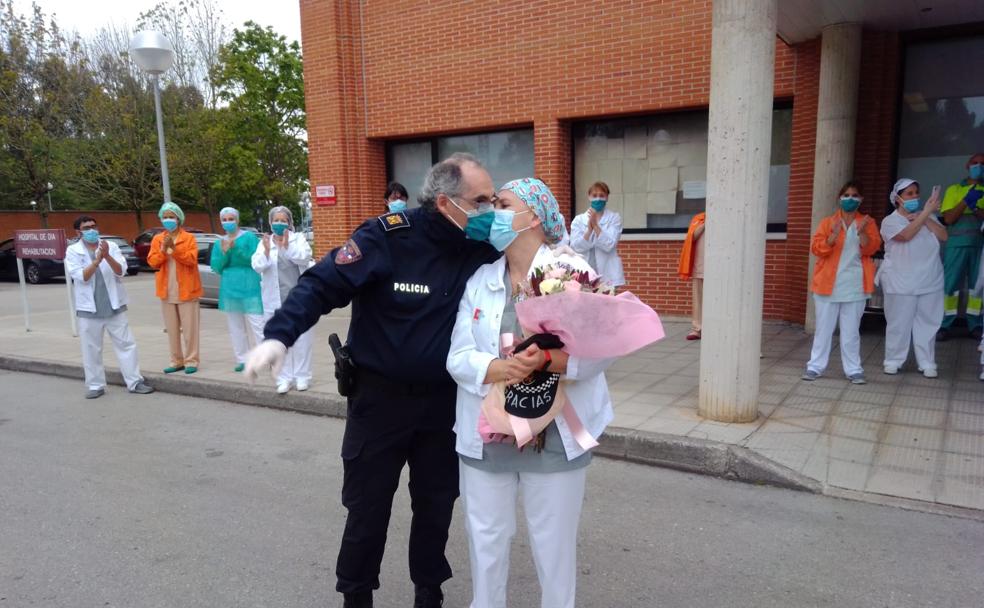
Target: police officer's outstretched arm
{"points": [[331, 283]]}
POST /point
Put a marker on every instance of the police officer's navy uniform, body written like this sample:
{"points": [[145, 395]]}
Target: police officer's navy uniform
{"points": [[404, 274]]}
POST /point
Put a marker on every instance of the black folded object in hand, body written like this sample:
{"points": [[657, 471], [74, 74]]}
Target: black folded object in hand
{"points": [[543, 341]]}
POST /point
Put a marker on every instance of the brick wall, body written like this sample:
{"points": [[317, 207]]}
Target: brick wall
{"points": [[118, 223], [401, 69]]}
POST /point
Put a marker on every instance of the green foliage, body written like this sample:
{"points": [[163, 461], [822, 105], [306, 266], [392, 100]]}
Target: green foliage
{"points": [[260, 76], [80, 115]]}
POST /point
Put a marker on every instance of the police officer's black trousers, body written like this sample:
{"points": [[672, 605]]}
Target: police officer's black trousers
{"points": [[390, 425]]}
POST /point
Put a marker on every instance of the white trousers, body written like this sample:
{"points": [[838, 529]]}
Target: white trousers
{"points": [[915, 320], [829, 315], [242, 329], [297, 362], [125, 347], [552, 504]]}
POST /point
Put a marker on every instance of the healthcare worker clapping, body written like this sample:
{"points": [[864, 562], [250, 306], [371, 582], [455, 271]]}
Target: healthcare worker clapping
{"points": [[911, 277]]}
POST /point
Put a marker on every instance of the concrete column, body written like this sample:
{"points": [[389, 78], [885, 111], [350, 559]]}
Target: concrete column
{"points": [[837, 116], [743, 43]]}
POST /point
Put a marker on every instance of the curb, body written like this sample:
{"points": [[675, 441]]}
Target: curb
{"points": [[688, 454]]}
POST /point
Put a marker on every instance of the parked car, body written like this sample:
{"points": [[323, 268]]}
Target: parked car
{"points": [[35, 271], [132, 259], [141, 244], [210, 280]]}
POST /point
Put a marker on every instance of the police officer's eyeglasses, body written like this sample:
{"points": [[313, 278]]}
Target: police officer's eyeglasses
{"points": [[481, 201]]}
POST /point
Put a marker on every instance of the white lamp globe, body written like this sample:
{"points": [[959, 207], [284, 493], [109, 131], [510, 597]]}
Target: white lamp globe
{"points": [[152, 52]]}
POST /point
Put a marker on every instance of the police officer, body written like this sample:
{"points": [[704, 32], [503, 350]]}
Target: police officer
{"points": [[404, 273]]}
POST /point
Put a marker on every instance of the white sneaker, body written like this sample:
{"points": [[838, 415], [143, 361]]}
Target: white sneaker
{"points": [[930, 373], [303, 385], [891, 370], [283, 387]]}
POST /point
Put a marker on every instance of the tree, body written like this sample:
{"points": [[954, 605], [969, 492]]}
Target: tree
{"points": [[197, 31], [211, 168], [260, 77], [44, 80]]}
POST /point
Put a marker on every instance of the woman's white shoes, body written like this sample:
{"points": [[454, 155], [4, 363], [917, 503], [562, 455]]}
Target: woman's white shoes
{"points": [[303, 385], [283, 387]]}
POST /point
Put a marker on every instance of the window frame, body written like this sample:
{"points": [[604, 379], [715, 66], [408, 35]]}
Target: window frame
{"points": [[779, 103], [433, 139]]}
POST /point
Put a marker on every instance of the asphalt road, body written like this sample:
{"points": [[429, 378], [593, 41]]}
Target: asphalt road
{"points": [[160, 501]]}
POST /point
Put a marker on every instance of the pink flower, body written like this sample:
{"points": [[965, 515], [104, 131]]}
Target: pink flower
{"points": [[555, 273], [572, 286]]}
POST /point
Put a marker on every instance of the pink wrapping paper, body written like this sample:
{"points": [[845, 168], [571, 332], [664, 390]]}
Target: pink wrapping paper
{"points": [[592, 325]]}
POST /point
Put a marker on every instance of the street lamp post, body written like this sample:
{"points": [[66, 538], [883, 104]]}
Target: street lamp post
{"points": [[48, 191], [153, 53]]}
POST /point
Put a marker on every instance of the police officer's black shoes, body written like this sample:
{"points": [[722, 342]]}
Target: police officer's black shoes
{"points": [[428, 597], [358, 600]]}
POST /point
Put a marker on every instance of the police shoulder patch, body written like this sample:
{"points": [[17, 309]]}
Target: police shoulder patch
{"points": [[348, 253], [392, 221]]}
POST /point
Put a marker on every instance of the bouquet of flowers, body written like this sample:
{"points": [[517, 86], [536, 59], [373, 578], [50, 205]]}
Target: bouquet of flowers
{"points": [[564, 305]]}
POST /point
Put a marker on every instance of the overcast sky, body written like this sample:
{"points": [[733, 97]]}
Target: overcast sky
{"points": [[87, 17]]}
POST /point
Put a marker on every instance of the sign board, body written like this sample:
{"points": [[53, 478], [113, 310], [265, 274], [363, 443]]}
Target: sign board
{"points": [[40, 244], [325, 195]]}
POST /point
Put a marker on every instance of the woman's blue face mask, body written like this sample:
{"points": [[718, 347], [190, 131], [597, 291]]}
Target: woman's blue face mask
{"points": [[397, 206], [912, 205], [850, 204], [501, 235], [229, 227], [169, 224]]}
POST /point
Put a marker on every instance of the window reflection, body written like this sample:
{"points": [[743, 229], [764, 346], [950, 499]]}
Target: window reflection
{"points": [[656, 167]]}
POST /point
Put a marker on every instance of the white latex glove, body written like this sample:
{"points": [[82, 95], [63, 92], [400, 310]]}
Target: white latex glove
{"points": [[268, 355]]}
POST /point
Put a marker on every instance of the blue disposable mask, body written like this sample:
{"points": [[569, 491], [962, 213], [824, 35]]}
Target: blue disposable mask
{"points": [[976, 171], [229, 227], [169, 224], [479, 221], [397, 206], [91, 236], [279, 228], [850, 204], [598, 204], [912, 205], [501, 235]]}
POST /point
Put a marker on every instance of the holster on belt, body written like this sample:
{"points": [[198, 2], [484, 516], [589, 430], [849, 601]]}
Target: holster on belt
{"points": [[344, 366]]}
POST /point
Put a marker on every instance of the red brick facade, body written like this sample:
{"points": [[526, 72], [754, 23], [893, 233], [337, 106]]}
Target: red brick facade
{"points": [[117, 223], [402, 69]]}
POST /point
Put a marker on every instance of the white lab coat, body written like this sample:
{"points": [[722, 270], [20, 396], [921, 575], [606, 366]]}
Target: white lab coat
{"points": [[297, 363], [298, 251], [475, 344], [78, 258], [601, 250]]}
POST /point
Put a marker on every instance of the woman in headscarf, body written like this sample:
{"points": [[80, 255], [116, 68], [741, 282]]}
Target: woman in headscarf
{"points": [[239, 290], [911, 278], [527, 221], [280, 259], [174, 254]]}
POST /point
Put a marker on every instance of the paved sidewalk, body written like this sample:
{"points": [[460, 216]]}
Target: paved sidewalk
{"points": [[898, 436]]}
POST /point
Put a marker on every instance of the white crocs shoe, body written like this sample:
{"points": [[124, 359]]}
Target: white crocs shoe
{"points": [[283, 387]]}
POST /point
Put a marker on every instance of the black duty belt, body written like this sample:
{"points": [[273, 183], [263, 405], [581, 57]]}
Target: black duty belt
{"points": [[365, 377]]}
